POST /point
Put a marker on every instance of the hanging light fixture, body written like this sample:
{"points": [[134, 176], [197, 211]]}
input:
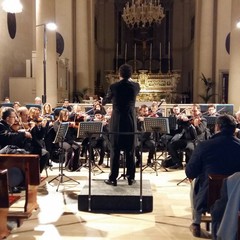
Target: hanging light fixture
{"points": [[142, 13], [12, 6]]}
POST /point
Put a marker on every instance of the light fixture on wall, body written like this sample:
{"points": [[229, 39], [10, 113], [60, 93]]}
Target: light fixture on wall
{"points": [[50, 26], [142, 13], [12, 6], [238, 23]]}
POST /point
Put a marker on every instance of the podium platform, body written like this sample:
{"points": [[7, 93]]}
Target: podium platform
{"points": [[122, 198]]}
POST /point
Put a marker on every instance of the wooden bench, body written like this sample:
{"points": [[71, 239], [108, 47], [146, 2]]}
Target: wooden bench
{"points": [[29, 164], [214, 193]]}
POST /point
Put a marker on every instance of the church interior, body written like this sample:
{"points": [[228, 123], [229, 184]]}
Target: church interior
{"points": [[182, 52]]}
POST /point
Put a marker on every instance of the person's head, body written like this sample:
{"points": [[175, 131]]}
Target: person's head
{"points": [[143, 111], [6, 100], [211, 109], [38, 100], [23, 114], [98, 115], [176, 109], [8, 115], [63, 115], [237, 115], [154, 107], [47, 108], [16, 105], [125, 71], [66, 102], [196, 110], [226, 123]]}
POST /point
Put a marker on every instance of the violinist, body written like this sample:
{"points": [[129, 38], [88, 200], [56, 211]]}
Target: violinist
{"points": [[38, 129], [77, 115], [212, 112], [155, 111], [71, 147], [101, 142], [47, 112], [146, 138], [194, 128], [10, 137]]}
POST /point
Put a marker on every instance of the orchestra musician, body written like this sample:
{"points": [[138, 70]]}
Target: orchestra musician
{"points": [[38, 128], [146, 138], [10, 137], [70, 146], [101, 143], [155, 111], [212, 112], [194, 128]]}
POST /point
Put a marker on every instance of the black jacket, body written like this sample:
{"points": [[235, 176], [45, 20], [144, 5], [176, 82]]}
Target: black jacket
{"points": [[123, 96]]}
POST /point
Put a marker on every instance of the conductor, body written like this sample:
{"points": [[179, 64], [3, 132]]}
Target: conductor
{"points": [[122, 94]]}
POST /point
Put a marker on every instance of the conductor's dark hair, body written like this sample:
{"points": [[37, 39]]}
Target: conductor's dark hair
{"points": [[125, 71], [227, 122]]}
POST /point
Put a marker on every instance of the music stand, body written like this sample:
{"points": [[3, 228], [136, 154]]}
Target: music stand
{"points": [[156, 126], [211, 121], [59, 138], [91, 130]]}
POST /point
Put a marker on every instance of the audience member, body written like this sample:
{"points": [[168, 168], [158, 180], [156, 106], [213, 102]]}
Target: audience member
{"points": [[218, 155]]}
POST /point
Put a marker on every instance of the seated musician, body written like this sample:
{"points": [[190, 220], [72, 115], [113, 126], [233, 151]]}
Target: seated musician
{"points": [[66, 104], [165, 138], [70, 146], [101, 142], [237, 117], [10, 137], [218, 155], [47, 112], [146, 137], [38, 128], [77, 115], [155, 111], [212, 112], [194, 128]]}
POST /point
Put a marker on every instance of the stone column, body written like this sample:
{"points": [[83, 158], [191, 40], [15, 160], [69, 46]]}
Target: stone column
{"points": [[234, 73], [203, 51], [45, 13], [85, 66]]}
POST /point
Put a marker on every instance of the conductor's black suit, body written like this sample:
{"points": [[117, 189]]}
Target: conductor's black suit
{"points": [[122, 94]]}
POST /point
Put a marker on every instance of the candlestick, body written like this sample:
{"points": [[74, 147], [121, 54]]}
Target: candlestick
{"points": [[169, 58], [135, 57], [160, 51], [150, 51], [125, 52], [160, 57], [117, 58]]}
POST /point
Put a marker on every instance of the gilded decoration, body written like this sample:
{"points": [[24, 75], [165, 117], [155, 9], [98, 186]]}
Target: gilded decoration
{"points": [[154, 86]]}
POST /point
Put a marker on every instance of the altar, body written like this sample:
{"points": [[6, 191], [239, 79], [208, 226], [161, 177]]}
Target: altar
{"points": [[154, 86]]}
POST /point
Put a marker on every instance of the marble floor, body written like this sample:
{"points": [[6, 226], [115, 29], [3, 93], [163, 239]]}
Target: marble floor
{"points": [[58, 216]]}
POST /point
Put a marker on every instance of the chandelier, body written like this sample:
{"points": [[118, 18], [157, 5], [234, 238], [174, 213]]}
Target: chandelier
{"points": [[143, 13], [12, 6]]}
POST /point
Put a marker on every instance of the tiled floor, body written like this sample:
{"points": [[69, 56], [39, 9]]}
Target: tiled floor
{"points": [[58, 216]]}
